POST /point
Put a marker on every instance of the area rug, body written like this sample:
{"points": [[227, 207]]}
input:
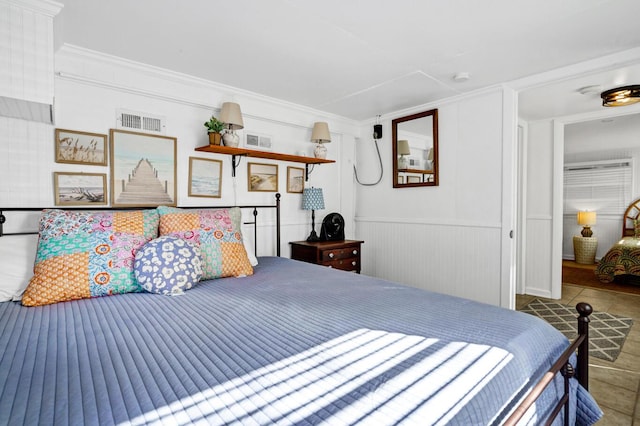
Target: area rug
{"points": [[607, 332]]}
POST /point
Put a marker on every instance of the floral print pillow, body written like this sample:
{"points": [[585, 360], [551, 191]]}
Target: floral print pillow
{"points": [[168, 265], [87, 254]]}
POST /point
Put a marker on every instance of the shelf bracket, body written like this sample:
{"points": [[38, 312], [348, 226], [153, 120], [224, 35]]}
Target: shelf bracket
{"points": [[234, 165], [307, 172]]}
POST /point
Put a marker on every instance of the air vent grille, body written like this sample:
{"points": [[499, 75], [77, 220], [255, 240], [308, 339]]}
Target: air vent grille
{"points": [[140, 121]]}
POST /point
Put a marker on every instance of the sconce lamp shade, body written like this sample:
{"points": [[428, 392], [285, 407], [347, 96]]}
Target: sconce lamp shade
{"points": [[312, 199], [586, 219], [430, 156], [320, 132], [230, 115], [621, 96], [403, 147]]}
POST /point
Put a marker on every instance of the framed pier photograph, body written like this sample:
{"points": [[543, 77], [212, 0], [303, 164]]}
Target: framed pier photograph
{"points": [[143, 169]]}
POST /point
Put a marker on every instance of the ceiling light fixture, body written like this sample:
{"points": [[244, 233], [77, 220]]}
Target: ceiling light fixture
{"points": [[621, 96]]}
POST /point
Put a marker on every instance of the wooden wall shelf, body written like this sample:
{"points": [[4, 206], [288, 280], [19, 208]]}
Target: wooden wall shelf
{"points": [[244, 152]]}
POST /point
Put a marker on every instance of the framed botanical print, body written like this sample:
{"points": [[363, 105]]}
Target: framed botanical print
{"points": [[263, 177], [80, 147], [295, 180], [143, 169], [79, 189], [205, 177]]}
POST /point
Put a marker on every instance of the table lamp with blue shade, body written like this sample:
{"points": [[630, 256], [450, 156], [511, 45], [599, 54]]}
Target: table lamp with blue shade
{"points": [[313, 200]]}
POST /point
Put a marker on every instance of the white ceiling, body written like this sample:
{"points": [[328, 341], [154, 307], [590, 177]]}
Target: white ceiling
{"points": [[361, 58]]}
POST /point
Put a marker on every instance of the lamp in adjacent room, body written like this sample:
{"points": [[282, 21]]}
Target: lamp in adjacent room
{"points": [[320, 135], [403, 150], [587, 220], [621, 96], [231, 116], [313, 200]]}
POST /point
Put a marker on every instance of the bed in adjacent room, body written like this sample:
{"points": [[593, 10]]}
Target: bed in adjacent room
{"points": [[623, 258], [286, 343]]}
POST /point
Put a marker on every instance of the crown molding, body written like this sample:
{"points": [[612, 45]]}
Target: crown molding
{"points": [[340, 124]]}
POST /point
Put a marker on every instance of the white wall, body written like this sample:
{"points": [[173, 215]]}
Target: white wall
{"points": [[90, 87], [445, 238]]}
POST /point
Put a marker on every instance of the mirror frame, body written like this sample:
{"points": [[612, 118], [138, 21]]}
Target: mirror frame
{"points": [[394, 139]]}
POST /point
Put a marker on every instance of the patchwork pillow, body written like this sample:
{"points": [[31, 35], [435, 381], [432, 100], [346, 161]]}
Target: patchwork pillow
{"points": [[216, 231], [168, 265], [87, 254]]}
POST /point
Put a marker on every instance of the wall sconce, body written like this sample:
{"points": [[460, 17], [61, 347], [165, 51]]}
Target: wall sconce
{"points": [[587, 220], [231, 116], [320, 135], [313, 200], [621, 96], [403, 149]]}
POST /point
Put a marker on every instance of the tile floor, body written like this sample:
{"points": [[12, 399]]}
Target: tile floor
{"points": [[615, 385]]}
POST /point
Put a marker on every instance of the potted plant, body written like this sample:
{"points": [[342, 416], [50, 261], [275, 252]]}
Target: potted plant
{"points": [[214, 127]]}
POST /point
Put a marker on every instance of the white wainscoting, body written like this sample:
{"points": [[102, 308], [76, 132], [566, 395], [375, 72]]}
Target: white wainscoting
{"points": [[457, 259], [538, 268]]}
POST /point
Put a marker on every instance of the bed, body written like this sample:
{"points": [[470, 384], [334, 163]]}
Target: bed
{"points": [[292, 343], [623, 258]]}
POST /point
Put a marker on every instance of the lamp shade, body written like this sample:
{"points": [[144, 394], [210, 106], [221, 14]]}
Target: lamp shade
{"points": [[312, 199], [320, 133], [430, 156], [403, 147], [621, 96], [230, 115], [586, 218]]}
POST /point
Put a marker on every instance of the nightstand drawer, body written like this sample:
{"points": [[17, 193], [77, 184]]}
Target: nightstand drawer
{"points": [[339, 253], [350, 264], [343, 255]]}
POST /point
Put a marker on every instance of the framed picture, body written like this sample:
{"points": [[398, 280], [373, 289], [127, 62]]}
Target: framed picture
{"points": [[205, 177], [295, 180], [413, 179], [80, 147], [256, 141], [143, 169], [263, 177], [80, 189]]}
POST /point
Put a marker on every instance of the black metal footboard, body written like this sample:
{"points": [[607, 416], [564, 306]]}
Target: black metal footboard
{"points": [[564, 367]]}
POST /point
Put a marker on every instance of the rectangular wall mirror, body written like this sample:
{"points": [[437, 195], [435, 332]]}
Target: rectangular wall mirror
{"points": [[415, 150]]}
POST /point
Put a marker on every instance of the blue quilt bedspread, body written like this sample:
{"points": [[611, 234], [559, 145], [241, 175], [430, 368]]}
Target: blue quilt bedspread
{"points": [[293, 344]]}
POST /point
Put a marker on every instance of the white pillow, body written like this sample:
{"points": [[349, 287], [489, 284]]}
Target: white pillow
{"points": [[17, 254], [247, 240]]}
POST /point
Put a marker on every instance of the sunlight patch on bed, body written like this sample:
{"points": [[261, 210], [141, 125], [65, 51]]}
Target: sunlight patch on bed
{"points": [[289, 391]]}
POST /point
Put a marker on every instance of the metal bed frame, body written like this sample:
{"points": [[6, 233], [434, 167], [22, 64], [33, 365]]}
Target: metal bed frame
{"points": [[562, 364]]}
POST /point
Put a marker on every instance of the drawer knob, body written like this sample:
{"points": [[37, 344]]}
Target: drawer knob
{"points": [[354, 263], [355, 252], [331, 255]]}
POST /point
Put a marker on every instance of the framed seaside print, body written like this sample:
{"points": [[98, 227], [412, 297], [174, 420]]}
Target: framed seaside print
{"points": [[80, 189], [205, 177], [263, 177], [143, 169], [295, 180], [80, 147]]}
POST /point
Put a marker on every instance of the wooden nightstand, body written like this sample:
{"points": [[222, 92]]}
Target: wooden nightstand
{"points": [[343, 254]]}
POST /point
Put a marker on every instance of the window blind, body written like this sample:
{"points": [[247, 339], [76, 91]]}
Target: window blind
{"points": [[602, 186]]}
